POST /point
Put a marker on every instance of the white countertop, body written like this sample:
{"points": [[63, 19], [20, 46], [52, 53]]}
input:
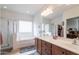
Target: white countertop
{"points": [[63, 43]]}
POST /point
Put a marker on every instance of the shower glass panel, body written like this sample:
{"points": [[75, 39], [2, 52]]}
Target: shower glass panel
{"points": [[4, 27], [6, 30]]}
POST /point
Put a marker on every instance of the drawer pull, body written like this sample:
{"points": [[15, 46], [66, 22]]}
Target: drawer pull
{"points": [[63, 52]]}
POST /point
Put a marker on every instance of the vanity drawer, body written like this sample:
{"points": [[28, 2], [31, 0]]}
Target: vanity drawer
{"points": [[58, 50]]}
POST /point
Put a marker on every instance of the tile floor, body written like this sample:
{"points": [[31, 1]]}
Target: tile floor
{"points": [[24, 51]]}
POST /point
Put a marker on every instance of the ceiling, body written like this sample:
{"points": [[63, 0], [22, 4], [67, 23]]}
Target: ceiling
{"points": [[24, 8], [27, 8], [59, 10], [33, 9]]}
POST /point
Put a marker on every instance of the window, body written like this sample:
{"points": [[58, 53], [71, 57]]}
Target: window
{"points": [[46, 27], [42, 27], [25, 26]]}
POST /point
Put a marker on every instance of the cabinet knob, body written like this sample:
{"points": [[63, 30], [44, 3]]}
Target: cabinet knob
{"points": [[63, 52]]}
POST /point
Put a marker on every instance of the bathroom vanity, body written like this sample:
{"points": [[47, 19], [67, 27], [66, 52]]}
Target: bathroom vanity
{"points": [[59, 46]]}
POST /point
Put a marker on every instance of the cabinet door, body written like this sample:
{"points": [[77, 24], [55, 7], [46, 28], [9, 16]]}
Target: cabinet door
{"points": [[43, 48], [39, 46], [48, 48]]}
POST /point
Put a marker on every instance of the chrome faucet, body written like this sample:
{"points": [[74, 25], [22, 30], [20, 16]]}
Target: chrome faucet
{"points": [[74, 42]]}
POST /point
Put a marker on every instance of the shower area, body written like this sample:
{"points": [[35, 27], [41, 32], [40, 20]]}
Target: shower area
{"points": [[6, 36]]}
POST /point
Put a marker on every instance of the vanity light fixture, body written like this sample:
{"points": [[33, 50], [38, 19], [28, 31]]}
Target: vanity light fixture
{"points": [[47, 11]]}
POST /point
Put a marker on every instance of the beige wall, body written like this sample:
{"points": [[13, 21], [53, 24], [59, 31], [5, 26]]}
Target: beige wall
{"points": [[72, 12]]}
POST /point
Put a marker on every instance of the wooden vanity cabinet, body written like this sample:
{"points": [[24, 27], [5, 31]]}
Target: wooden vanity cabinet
{"points": [[46, 48]]}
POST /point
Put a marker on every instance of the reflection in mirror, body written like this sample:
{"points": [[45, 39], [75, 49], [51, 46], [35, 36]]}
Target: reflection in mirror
{"points": [[60, 31], [73, 28], [46, 27]]}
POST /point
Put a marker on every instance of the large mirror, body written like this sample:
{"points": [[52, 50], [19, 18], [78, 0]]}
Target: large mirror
{"points": [[72, 30], [46, 27]]}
